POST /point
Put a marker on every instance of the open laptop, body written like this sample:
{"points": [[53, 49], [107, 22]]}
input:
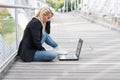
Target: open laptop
{"points": [[71, 56]]}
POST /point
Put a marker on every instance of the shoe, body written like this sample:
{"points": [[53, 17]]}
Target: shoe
{"points": [[60, 51]]}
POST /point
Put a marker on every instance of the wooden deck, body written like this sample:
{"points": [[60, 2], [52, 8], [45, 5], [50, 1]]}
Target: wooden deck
{"points": [[99, 59]]}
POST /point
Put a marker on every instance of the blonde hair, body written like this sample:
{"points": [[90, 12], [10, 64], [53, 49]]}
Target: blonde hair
{"points": [[44, 12]]}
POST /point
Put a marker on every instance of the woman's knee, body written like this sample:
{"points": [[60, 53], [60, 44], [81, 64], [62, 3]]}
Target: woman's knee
{"points": [[45, 56], [52, 55]]}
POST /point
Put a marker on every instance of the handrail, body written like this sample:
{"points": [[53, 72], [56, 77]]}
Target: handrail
{"points": [[16, 12], [13, 55], [16, 6], [8, 59]]}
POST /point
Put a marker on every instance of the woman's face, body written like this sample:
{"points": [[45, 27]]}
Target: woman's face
{"points": [[46, 18]]}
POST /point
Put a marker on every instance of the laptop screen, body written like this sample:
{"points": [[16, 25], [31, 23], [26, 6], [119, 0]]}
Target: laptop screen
{"points": [[79, 46]]}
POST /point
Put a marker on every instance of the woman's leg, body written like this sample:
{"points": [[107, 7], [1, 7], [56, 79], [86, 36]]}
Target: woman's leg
{"points": [[48, 40], [52, 43], [44, 56]]}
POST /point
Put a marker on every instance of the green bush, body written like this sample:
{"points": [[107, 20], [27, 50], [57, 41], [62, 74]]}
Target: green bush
{"points": [[7, 23], [56, 4], [4, 13], [8, 26]]}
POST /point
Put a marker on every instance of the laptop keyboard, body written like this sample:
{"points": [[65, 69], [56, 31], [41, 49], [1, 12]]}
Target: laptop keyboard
{"points": [[71, 56]]}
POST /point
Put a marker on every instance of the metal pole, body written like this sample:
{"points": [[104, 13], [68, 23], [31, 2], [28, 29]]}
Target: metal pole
{"points": [[63, 9], [81, 5], [71, 4], [75, 4], [67, 6], [16, 23]]}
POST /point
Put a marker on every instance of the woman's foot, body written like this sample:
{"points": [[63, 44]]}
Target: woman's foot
{"points": [[60, 51]]}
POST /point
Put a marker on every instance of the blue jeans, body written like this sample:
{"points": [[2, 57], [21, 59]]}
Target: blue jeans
{"points": [[46, 55]]}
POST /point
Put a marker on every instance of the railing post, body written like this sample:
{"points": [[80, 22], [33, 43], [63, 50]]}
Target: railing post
{"points": [[16, 22]]}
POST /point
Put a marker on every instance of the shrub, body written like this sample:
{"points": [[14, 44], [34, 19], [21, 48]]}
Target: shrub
{"points": [[4, 13], [56, 4]]}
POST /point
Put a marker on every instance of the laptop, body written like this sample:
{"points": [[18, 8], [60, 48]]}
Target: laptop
{"points": [[71, 56]]}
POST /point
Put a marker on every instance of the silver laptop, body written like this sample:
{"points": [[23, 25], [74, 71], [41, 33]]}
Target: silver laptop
{"points": [[72, 57]]}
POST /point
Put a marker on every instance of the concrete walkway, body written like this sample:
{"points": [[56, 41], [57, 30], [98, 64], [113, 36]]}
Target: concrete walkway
{"points": [[99, 59]]}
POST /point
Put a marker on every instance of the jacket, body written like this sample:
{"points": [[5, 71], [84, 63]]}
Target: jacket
{"points": [[31, 41]]}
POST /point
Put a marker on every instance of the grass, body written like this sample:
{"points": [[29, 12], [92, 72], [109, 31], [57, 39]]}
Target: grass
{"points": [[7, 26], [10, 38], [8, 30]]}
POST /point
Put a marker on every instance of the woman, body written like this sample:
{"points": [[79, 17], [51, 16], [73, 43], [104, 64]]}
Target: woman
{"points": [[35, 34]]}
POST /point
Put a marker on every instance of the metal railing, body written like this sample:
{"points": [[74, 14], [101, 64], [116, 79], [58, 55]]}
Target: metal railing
{"points": [[16, 6], [10, 59]]}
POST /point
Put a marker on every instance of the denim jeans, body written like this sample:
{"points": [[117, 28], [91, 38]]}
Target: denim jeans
{"points": [[46, 55]]}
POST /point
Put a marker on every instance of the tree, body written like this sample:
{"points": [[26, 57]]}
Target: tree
{"points": [[56, 4]]}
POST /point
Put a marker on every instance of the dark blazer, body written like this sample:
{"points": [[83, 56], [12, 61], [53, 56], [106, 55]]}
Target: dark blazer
{"points": [[31, 40]]}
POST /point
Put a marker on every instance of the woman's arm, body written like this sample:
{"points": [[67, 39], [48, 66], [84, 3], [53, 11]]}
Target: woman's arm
{"points": [[36, 32], [48, 27]]}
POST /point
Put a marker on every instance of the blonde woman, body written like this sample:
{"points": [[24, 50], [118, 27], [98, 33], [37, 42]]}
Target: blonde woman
{"points": [[35, 34]]}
